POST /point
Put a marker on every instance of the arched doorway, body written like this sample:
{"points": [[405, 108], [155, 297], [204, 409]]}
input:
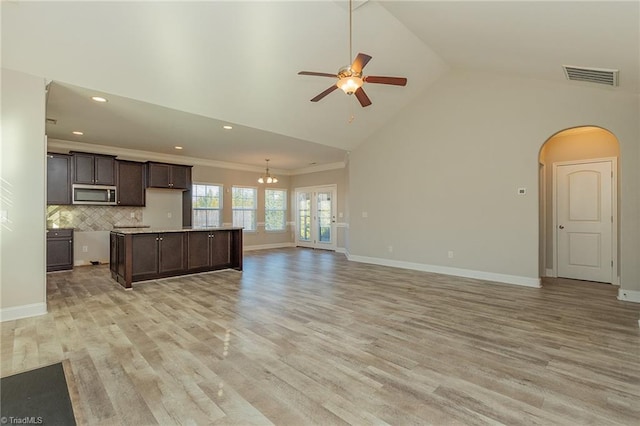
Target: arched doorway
{"points": [[583, 155]]}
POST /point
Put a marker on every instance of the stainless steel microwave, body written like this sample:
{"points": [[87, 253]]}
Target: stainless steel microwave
{"points": [[94, 194]]}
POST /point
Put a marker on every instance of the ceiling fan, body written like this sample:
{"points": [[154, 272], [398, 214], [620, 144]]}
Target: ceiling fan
{"points": [[350, 78]]}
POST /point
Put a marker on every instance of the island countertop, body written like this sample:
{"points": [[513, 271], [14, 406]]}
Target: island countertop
{"points": [[137, 230]]}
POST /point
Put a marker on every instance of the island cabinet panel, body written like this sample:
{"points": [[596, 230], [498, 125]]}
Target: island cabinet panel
{"points": [[211, 250], [171, 253], [221, 249], [138, 255], [144, 251], [113, 252], [198, 248]]}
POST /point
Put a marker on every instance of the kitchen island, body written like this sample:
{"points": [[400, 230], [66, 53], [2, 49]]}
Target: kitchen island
{"points": [[139, 254]]}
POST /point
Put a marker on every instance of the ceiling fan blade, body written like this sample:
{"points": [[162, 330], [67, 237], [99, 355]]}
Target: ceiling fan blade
{"points": [[325, 93], [362, 97], [359, 62], [319, 74], [396, 81]]}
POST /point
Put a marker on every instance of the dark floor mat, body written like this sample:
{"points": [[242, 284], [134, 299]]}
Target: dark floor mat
{"points": [[37, 397]]}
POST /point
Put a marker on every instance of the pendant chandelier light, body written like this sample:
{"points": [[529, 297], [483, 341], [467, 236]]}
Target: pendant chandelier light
{"points": [[267, 178]]}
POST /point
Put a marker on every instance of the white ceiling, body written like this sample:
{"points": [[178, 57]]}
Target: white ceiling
{"points": [[175, 72]]}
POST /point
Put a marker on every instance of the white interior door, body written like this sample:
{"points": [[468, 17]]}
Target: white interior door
{"points": [[316, 217], [584, 218]]}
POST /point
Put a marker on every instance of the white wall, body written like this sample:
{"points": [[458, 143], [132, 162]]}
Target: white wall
{"points": [[443, 175], [22, 234]]}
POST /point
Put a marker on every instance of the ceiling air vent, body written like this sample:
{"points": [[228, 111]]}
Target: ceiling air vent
{"points": [[591, 75]]}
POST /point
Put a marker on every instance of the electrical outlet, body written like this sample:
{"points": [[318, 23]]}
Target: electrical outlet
{"points": [[85, 249], [133, 215], [390, 248], [169, 215], [365, 214], [450, 254]]}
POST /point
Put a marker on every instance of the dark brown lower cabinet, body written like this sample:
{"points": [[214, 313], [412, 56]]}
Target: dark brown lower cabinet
{"points": [[59, 249], [139, 255], [144, 252], [156, 255], [210, 250]]}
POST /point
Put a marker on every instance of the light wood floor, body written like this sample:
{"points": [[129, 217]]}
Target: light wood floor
{"points": [[306, 337]]}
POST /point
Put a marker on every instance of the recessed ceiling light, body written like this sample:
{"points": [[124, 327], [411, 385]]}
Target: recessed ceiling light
{"points": [[99, 99], [227, 127], [177, 147], [77, 133]]}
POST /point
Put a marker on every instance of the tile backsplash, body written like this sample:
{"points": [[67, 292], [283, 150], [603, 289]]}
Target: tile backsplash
{"points": [[93, 218]]}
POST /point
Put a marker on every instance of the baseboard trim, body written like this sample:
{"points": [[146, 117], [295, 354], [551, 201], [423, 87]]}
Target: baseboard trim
{"points": [[629, 295], [268, 246], [24, 311], [341, 250], [445, 270]]}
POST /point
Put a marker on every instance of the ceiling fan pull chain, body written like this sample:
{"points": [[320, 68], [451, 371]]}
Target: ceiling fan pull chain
{"points": [[352, 116]]}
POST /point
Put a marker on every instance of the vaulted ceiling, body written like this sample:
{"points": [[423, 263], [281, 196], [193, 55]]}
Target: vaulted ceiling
{"points": [[176, 72]]}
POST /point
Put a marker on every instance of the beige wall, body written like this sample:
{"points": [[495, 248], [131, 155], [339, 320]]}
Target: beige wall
{"points": [[22, 173], [443, 176], [570, 145], [163, 209]]}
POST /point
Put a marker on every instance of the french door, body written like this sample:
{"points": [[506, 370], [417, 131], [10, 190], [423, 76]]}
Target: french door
{"points": [[316, 217]]}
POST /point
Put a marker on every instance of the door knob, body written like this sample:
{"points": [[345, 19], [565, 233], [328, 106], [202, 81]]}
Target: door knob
{"points": [[561, 226]]}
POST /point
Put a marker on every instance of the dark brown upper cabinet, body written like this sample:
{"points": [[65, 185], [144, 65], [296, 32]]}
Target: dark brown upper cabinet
{"points": [[173, 176], [130, 182], [93, 169], [58, 179]]}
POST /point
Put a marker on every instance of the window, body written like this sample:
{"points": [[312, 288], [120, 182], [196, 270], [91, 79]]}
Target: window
{"points": [[207, 205], [275, 213], [244, 202]]}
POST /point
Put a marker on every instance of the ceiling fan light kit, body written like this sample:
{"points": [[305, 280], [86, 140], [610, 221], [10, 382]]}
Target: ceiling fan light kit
{"points": [[350, 78], [349, 81]]}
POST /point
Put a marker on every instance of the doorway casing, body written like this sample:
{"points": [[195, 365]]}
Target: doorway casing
{"points": [[574, 145]]}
